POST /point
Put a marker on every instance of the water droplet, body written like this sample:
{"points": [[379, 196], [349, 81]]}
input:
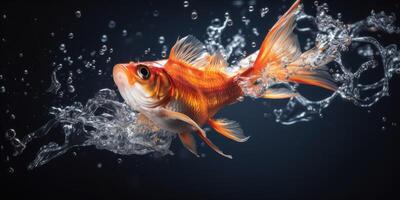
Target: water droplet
{"points": [[52, 34], [119, 160], [124, 33], [10, 134], [26, 72], [21, 55], [394, 124], [383, 128], [384, 119], [4, 16], [71, 88], [163, 54], [74, 154], [253, 44], [2, 89], [255, 31], [104, 38], [251, 8], [70, 36], [156, 13], [194, 15], [62, 47], [79, 71], [11, 170], [226, 14], [60, 94], [264, 11], [12, 116], [161, 40], [185, 4], [99, 72], [69, 80], [229, 22], [112, 24], [99, 165], [78, 14]]}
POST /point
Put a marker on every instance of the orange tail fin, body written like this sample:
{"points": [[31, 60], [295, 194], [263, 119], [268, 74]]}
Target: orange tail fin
{"points": [[280, 57]]}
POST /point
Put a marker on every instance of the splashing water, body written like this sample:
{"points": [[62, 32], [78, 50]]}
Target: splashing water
{"points": [[106, 123], [335, 38]]}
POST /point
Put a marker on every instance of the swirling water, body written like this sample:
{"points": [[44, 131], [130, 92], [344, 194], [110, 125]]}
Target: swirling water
{"points": [[106, 123]]}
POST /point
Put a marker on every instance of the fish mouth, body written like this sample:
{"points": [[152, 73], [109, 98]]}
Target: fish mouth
{"points": [[120, 76]]}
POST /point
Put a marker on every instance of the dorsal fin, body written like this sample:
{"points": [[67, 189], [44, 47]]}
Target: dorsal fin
{"points": [[189, 51], [216, 63]]}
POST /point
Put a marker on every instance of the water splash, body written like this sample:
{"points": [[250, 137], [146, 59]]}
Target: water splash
{"points": [[106, 123], [336, 38], [102, 122]]}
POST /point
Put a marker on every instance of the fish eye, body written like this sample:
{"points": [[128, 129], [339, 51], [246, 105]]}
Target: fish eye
{"points": [[143, 72]]}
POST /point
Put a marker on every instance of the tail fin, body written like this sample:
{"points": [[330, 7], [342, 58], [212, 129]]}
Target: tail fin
{"points": [[280, 56]]}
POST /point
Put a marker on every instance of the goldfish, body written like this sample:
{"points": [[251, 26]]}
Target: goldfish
{"points": [[183, 93]]}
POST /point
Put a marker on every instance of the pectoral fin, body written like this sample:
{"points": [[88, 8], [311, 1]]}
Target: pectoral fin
{"points": [[189, 142], [229, 129]]}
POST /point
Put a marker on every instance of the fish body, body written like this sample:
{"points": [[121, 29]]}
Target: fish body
{"points": [[184, 92]]}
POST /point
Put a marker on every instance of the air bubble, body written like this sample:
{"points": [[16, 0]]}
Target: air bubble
{"points": [[194, 15], [70, 36], [251, 8], [124, 33], [78, 14], [71, 88], [227, 15], [69, 80], [161, 40], [112, 24], [185, 4], [62, 47], [11, 170], [10, 134], [229, 22], [156, 13], [104, 38]]}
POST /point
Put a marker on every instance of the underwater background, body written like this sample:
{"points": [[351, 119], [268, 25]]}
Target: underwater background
{"points": [[350, 152]]}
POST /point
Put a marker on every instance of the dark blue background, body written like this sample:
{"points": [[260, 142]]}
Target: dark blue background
{"points": [[344, 155]]}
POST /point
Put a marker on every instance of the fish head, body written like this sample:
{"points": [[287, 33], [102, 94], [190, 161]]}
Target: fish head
{"points": [[143, 85]]}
